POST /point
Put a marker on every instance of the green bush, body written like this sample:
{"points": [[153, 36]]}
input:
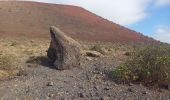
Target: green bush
{"points": [[150, 66]]}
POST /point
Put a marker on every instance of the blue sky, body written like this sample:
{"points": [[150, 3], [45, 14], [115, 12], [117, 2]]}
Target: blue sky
{"points": [[156, 25], [150, 17]]}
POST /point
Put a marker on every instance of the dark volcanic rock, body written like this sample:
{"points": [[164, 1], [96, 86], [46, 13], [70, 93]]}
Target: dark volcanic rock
{"points": [[64, 52]]}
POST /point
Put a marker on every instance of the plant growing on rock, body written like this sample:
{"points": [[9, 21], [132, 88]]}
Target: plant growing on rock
{"points": [[150, 66]]}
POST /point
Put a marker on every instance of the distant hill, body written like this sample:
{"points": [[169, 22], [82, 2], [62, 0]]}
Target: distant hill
{"points": [[34, 19]]}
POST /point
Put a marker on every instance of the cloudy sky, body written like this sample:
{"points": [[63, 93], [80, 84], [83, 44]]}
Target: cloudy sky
{"points": [[150, 17]]}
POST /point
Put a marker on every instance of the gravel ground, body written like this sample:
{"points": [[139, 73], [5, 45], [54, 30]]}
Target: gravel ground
{"points": [[90, 81]]}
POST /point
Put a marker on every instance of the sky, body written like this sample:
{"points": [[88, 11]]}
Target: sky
{"points": [[149, 17]]}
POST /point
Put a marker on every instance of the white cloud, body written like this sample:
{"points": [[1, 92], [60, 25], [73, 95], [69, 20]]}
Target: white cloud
{"points": [[162, 33], [162, 2], [124, 12]]}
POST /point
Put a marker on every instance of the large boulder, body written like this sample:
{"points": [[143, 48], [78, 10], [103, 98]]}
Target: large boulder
{"points": [[64, 51]]}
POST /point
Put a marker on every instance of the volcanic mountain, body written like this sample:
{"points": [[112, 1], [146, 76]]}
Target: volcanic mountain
{"points": [[34, 19]]}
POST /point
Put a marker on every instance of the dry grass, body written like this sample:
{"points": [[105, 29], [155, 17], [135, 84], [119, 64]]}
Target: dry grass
{"points": [[16, 51], [114, 50], [22, 50]]}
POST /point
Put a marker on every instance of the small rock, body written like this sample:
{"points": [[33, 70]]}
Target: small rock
{"points": [[104, 51], [29, 65], [130, 84], [50, 84], [89, 59], [127, 53], [104, 98], [82, 95], [50, 95], [108, 84], [96, 87], [145, 92], [106, 88], [100, 73], [93, 54], [130, 90], [27, 91], [110, 49], [62, 98], [168, 87], [47, 98]]}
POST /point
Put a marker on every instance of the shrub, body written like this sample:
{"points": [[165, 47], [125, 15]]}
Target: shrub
{"points": [[96, 47], [150, 66], [8, 62]]}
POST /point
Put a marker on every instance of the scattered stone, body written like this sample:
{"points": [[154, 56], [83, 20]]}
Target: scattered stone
{"points": [[93, 53], [101, 73], [21, 73], [82, 95], [110, 49], [96, 87], [27, 91], [103, 51], [64, 52], [29, 65], [145, 92], [106, 88], [130, 84], [62, 98], [108, 84], [169, 87], [130, 90], [128, 53], [50, 95], [104, 98], [47, 97], [89, 59], [50, 84]]}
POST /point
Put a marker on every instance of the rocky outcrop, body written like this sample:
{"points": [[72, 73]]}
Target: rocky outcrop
{"points": [[64, 51]]}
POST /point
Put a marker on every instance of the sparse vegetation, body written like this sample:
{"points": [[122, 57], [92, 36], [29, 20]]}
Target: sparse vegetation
{"points": [[16, 52], [14, 43], [150, 66], [8, 62], [96, 47], [8, 66]]}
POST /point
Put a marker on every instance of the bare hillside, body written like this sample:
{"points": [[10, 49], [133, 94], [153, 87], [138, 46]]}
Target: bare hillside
{"points": [[33, 19]]}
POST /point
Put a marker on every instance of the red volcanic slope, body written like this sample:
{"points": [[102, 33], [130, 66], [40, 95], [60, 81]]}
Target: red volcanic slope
{"points": [[34, 19]]}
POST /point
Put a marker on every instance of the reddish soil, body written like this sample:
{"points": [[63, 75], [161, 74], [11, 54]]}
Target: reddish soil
{"points": [[34, 19]]}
